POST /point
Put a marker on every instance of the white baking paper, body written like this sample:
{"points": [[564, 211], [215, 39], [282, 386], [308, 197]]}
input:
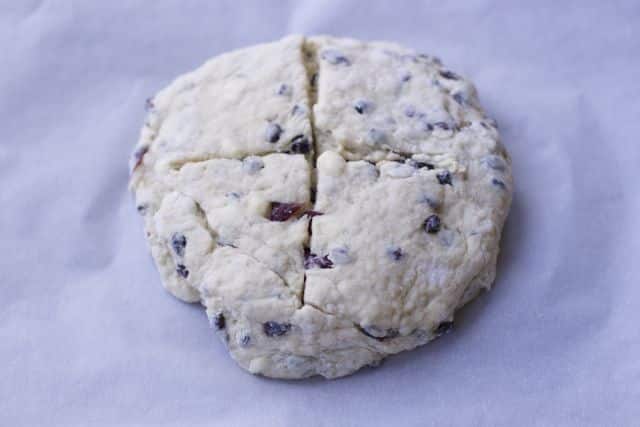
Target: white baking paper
{"points": [[88, 337]]}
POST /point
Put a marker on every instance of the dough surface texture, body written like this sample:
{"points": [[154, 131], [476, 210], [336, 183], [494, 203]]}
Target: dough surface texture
{"points": [[329, 201]]}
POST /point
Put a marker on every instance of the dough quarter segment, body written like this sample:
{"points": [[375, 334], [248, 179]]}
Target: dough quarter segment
{"points": [[329, 201]]}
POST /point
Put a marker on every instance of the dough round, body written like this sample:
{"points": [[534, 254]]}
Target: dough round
{"points": [[329, 201]]}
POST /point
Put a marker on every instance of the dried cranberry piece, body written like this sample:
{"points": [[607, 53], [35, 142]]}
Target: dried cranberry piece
{"points": [[335, 57], [312, 260], [300, 145], [444, 177], [395, 253], [275, 329], [449, 75], [273, 132], [178, 243], [284, 89], [442, 125], [378, 333], [498, 183], [443, 328], [283, 211], [138, 155], [432, 224], [182, 271], [219, 321], [460, 99], [244, 340], [361, 106], [148, 104], [421, 165]]}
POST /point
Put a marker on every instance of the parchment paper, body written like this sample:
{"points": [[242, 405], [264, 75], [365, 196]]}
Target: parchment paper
{"points": [[89, 338]]}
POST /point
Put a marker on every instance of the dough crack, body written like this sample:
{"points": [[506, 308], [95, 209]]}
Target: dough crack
{"points": [[310, 62], [205, 223], [353, 325], [178, 164], [282, 279]]}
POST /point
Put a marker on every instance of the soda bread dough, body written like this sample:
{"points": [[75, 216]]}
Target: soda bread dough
{"points": [[329, 201]]}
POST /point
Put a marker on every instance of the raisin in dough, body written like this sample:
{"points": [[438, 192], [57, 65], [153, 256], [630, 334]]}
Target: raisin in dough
{"points": [[330, 202]]}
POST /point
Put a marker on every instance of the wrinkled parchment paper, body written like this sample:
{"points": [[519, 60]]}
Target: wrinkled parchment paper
{"points": [[89, 338]]}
